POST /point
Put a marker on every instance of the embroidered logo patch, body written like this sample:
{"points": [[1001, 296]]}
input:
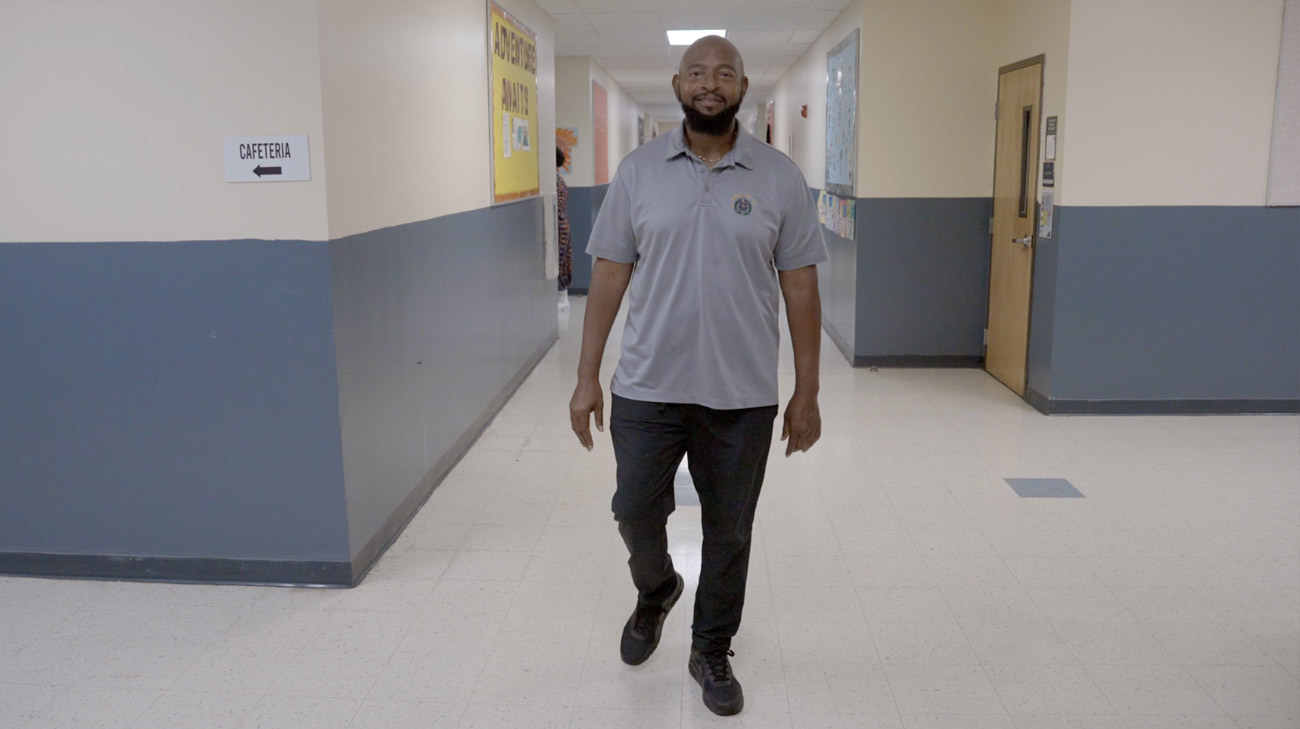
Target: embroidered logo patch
{"points": [[742, 204]]}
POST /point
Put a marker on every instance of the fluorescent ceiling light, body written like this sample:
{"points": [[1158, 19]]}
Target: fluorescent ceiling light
{"points": [[687, 37]]}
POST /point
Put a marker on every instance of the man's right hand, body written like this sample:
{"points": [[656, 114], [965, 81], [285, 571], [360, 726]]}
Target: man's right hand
{"points": [[608, 282], [587, 399]]}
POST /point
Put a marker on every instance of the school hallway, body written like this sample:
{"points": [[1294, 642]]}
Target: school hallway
{"points": [[896, 581]]}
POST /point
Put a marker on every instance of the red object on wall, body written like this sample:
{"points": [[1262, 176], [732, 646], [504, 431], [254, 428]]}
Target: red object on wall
{"points": [[803, 111], [600, 130]]}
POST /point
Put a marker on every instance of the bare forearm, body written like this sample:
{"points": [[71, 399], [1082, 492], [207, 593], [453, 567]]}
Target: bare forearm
{"points": [[803, 307], [608, 283]]}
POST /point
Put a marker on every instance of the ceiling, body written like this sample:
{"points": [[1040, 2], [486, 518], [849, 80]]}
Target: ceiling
{"points": [[626, 37]]}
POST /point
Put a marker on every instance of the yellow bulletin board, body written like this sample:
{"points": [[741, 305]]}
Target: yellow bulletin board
{"points": [[513, 49]]}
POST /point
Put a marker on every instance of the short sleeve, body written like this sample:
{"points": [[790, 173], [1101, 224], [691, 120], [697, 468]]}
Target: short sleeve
{"points": [[611, 235], [800, 241]]}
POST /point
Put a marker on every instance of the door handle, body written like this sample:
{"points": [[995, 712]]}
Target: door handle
{"points": [[1026, 241]]}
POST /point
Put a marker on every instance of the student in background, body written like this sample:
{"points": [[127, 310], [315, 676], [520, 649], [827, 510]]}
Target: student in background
{"points": [[562, 221]]}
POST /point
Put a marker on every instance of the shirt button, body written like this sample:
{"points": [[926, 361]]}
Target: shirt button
{"points": [[706, 188]]}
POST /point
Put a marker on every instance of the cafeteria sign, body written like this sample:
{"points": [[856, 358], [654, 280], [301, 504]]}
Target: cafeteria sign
{"points": [[514, 107]]}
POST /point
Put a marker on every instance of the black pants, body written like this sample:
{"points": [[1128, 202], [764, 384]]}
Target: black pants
{"points": [[728, 455]]}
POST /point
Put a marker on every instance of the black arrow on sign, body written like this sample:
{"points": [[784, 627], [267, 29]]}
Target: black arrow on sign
{"points": [[260, 170]]}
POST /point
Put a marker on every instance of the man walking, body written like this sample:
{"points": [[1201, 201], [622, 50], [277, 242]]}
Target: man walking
{"points": [[717, 226]]}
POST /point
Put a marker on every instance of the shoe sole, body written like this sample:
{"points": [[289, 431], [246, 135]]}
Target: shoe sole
{"points": [[713, 706], [659, 629]]}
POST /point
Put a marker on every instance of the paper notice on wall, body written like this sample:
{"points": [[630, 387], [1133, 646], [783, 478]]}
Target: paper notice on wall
{"points": [[838, 215], [507, 135], [522, 139], [1045, 214]]}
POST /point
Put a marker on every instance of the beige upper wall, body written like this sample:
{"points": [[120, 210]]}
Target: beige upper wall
{"points": [[406, 108], [573, 110], [120, 108], [928, 84], [623, 113], [574, 75], [926, 87], [1171, 101], [1159, 102], [1028, 28], [115, 112]]}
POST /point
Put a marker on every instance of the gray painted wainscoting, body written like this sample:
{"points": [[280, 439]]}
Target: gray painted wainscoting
{"points": [[172, 400], [1167, 309], [911, 290], [923, 272], [436, 324], [837, 281], [253, 411]]}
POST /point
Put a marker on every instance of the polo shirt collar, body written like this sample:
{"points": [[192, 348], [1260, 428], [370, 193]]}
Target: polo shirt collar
{"points": [[741, 153]]}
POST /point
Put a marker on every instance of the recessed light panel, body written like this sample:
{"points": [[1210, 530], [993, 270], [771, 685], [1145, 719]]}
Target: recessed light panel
{"points": [[687, 37]]}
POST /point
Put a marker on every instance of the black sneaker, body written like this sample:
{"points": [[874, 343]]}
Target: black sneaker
{"points": [[641, 634], [722, 692]]}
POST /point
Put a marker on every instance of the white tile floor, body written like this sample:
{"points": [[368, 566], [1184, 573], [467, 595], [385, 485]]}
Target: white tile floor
{"points": [[897, 582]]}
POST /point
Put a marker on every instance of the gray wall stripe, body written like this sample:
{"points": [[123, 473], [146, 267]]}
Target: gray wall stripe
{"points": [[170, 400], [253, 411], [1169, 303], [432, 321]]}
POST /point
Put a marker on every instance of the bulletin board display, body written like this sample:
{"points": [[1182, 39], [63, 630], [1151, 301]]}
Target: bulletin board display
{"points": [[842, 116], [514, 119]]}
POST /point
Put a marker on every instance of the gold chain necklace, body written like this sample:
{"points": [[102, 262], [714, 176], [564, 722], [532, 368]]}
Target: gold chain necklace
{"points": [[711, 160]]}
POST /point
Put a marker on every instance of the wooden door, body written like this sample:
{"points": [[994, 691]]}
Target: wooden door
{"points": [[1015, 191]]}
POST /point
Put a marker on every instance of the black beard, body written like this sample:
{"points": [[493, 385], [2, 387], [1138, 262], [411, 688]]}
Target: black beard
{"points": [[714, 125]]}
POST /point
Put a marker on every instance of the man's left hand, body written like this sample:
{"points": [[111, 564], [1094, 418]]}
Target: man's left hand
{"points": [[803, 423]]}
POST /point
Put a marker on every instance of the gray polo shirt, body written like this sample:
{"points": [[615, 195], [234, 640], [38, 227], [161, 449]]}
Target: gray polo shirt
{"points": [[704, 300]]}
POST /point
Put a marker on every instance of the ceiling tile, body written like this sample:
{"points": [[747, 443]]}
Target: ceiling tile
{"points": [[572, 23], [695, 5], [688, 19], [775, 4], [778, 68], [805, 36], [635, 38], [757, 61], [644, 63], [554, 7], [623, 21], [818, 19], [581, 50], [758, 20], [759, 38], [571, 39], [610, 6]]}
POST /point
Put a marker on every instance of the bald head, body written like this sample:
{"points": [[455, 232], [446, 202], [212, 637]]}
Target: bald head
{"points": [[713, 48]]}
